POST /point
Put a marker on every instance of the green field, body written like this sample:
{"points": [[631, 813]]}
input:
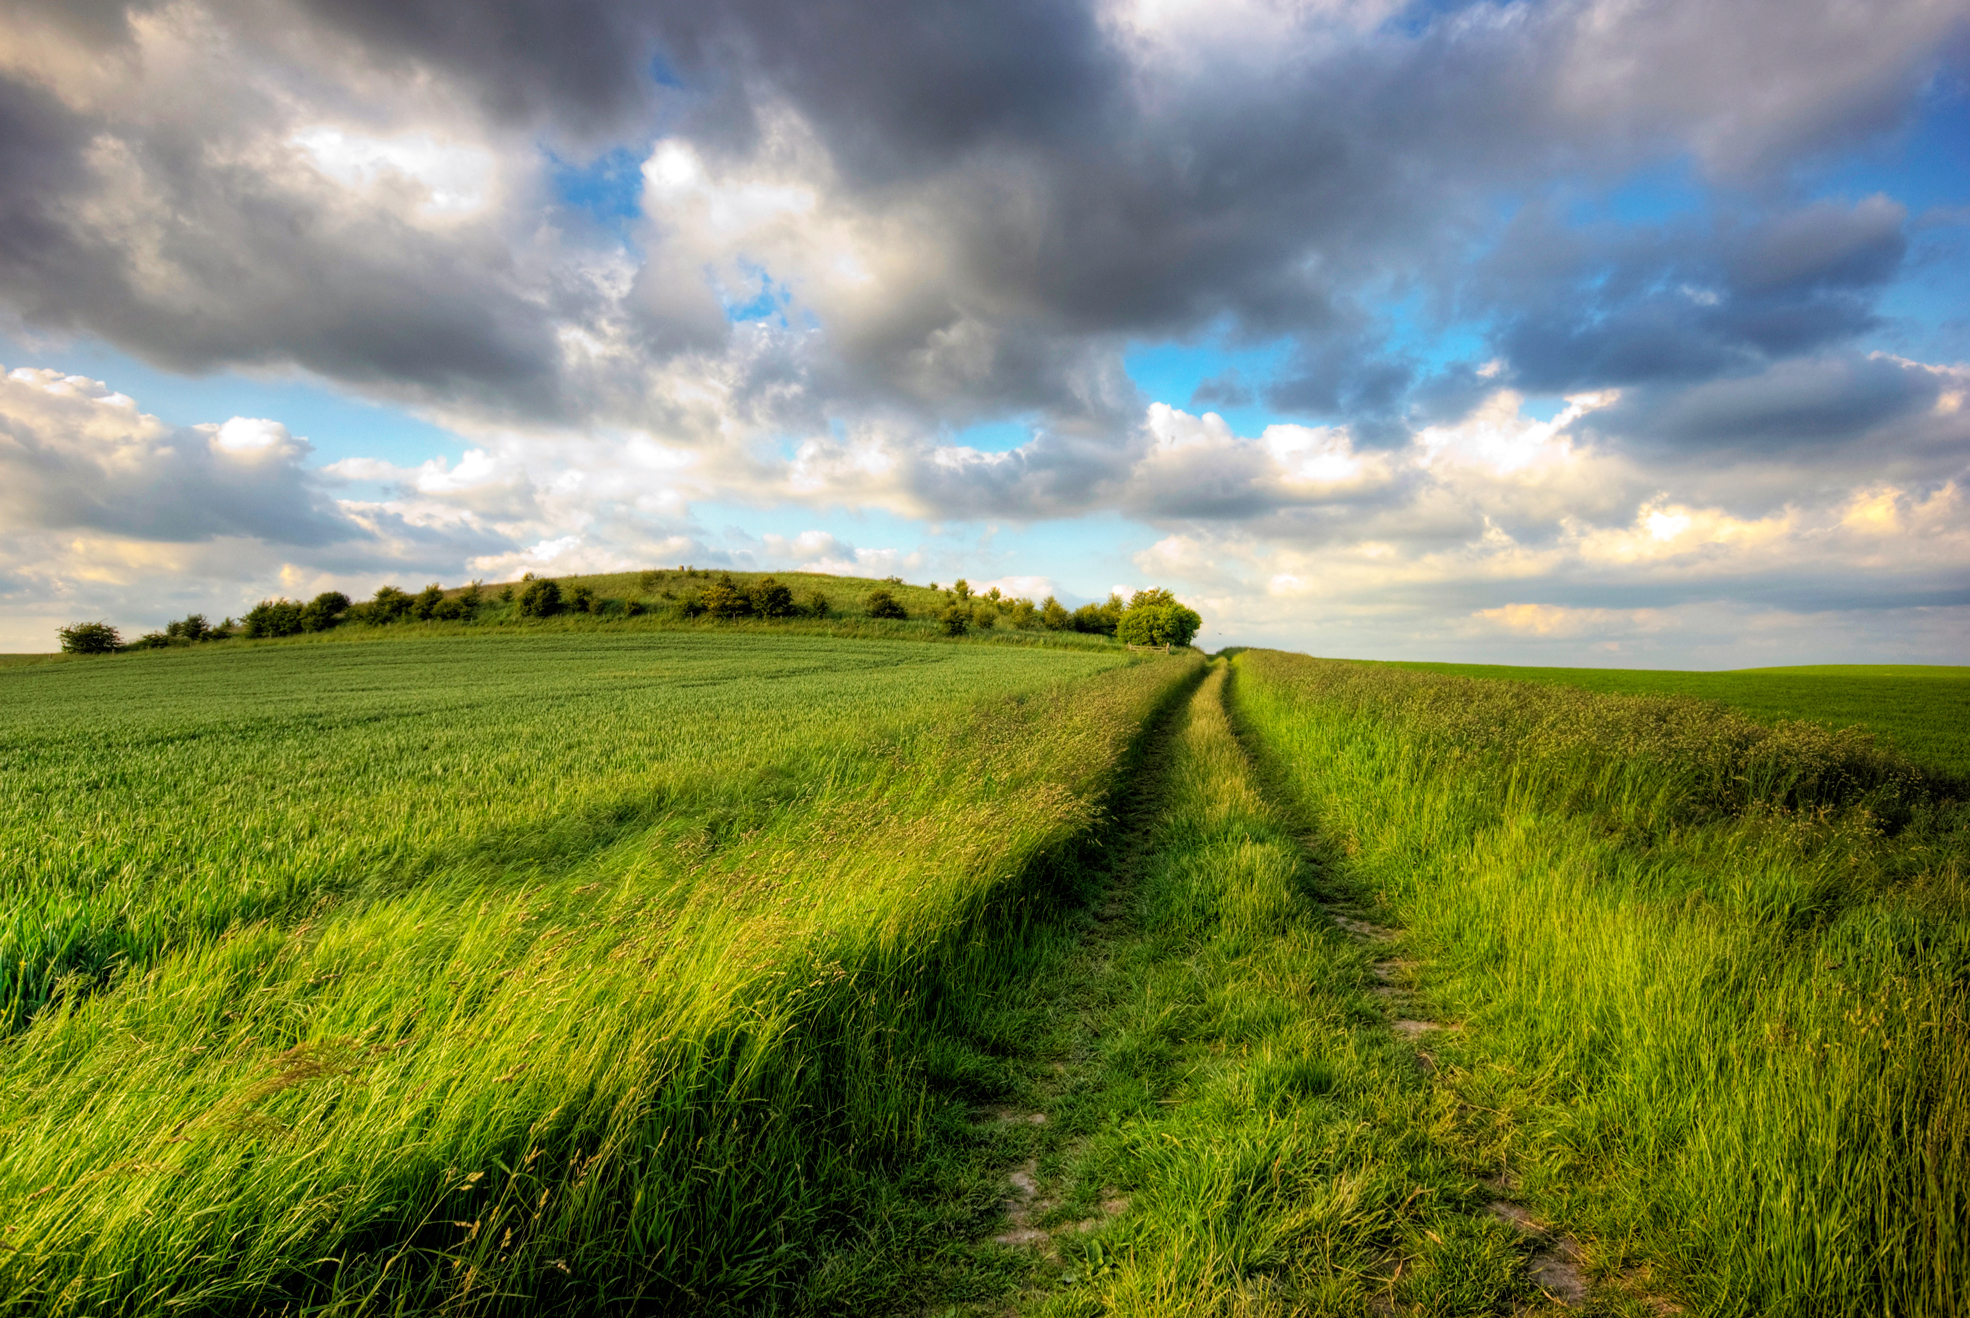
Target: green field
{"points": [[1923, 711], [608, 966]]}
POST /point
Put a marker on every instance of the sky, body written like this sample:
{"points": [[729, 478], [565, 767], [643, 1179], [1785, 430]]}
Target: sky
{"points": [[1628, 333]]}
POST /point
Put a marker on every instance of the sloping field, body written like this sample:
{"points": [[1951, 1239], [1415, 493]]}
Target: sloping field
{"points": [[509, 972], [1709, 974], [1922, 711]]}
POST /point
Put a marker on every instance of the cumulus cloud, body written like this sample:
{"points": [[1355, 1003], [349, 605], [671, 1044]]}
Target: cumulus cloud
{"points": [[841, 233]]}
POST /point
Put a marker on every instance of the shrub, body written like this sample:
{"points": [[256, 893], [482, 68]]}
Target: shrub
{"points": [[275, 617], [962, 589], [324, 611], [541, 598], [425, 606], [984, 617], [506, 593], [1022, 614], [649, 579], [726, 599], [471, 596], [152, 641], [956, 619], [192, 627], [1054, 617], [1099, 619], [454, 609], [581, 599], [770, 599], [388, 605], [882, 604], [817, 605], [89, 638], [691, 604], [635, 608]]}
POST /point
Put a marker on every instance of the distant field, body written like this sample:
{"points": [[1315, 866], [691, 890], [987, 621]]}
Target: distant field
{"points": [[1922, 711]]}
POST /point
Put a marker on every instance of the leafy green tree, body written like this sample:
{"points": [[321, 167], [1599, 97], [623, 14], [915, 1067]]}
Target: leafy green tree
{"points": [[725, 598], [956, 619], [1054, 617], [89, 638], [541, 598], [581, 599], [1154, 617], [882, 604], [1020, 613], [390, 605], [817, 604], [275, 617], [193, 627], [770, 599], [425, 606], [324, 611], [1099, 619], [962, 589]]}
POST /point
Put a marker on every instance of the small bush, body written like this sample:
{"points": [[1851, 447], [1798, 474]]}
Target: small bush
{"points": [[191, 628], [817, 605], [89, 638], [541, 598], [425, 606], [635, 608], [275, 617], [956, 620], [324, 611], [649, 579], [1054, 616], [388, 605], [581, 599], [454, 609], [770, 599], [725, 599], [882, 604]]}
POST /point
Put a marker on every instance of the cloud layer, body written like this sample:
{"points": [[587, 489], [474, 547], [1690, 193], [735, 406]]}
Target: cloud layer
{"points": [[644, 259]]}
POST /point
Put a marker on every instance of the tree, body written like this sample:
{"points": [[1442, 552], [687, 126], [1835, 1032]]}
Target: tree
{"points": [[581, 599], [1099, 619], [1154, 617], [956, 619], [962, 589], [275, 617], [324, 611], [725, 599], [425, 606], [882, 604], [191, 627], [1054, 617], [770, 599], [389, 605], [89, 638], [817, 604], [1020, 613], [541, 598]]}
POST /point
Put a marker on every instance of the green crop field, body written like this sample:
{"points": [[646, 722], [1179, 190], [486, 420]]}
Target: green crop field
{"points": [[631, 964], [1924, 712]]}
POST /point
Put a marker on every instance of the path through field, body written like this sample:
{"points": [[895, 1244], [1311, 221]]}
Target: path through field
{"points": [[1223, 1096]]}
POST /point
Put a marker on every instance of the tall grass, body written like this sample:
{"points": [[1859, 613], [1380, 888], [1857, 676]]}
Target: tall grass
{"points": [[1715, 970], [643, 1066]]}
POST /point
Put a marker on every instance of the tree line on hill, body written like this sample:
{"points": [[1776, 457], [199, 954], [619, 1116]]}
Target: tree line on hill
{"points": [[1150, 617]]}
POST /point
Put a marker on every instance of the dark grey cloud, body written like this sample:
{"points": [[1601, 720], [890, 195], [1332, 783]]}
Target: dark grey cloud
{"points": [[1793, 405], [1581, 308], [1225, 389], [1075, 181]]}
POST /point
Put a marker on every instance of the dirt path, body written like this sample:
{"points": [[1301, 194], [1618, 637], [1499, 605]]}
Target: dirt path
{"points": [[1221, 1094]]}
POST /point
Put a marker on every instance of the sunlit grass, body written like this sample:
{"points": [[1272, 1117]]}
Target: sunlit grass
{"points": [[1712, 969], [523, 971]]}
